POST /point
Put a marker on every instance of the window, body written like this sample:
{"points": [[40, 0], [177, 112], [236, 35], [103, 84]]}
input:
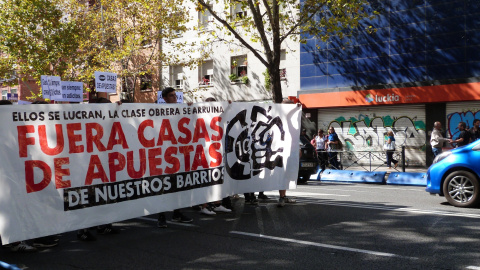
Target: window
{"points": [[283, 61], [177, 77], [237, 12], [205, 18], [205, 74], [239, 67], [146, 82], [4, 94], [128, 84]]}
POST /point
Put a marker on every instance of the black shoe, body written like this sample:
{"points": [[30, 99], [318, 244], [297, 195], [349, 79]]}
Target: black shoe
{"points": [[107, 229], [162, 221], [181, 218], [263, 196], [85, 235], [45, 242]]}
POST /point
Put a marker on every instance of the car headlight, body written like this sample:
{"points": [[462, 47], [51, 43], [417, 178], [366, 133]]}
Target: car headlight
{"points": [[441, 156]]}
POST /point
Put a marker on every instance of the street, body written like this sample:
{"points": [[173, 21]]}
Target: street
{"points": [[332, 226]]}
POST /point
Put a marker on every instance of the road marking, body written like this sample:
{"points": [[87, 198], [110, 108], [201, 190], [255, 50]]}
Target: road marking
{"points": [[473, 267], [309, 243], [390, 208], [169, 222]]}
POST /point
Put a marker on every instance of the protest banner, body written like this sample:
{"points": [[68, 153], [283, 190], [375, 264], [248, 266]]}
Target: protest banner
{"points": [[71, 166], [71, 91], [51, 87], [105, 82]]}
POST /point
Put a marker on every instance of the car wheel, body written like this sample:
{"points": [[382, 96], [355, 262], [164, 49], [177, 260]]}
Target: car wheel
{"points": [[461, 189]]}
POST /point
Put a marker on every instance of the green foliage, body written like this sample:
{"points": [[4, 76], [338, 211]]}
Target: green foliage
{"points": [[267, 83], [270, 23], [244, 79], [233, 77]]}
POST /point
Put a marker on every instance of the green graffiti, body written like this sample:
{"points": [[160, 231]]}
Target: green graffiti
{"points": [[420, 125], [387, 121]]}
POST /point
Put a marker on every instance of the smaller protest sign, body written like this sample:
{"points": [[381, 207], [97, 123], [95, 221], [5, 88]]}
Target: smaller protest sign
{"points": [[51, 87], [105, 82], [72, 91]]}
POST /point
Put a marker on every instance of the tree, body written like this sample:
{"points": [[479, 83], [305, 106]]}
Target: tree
{"points": [[272, 22], [72, 39]]}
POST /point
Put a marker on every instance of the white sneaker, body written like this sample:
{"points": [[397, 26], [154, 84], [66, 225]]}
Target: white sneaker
{"points": [[221, 208], [22, 247], [207, 212]]}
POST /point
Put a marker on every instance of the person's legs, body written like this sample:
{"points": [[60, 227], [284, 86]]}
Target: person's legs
{"points": [[333, 160], [389, 159], [179, 217], [436, 151]]}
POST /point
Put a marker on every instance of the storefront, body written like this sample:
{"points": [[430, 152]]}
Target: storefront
{"points": [[362, 118]]}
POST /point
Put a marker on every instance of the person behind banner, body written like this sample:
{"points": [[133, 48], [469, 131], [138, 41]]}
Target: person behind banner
{"points": [[169, 95], [333, 144]]}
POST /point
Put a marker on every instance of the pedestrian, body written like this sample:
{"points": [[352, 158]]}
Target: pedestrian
{"points": [[464, 136], [320, 143], [475, 130], [333, 145], [436, 139], [389, 147], [169, 95]]}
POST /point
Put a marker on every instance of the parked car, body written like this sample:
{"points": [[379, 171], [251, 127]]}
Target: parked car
{"points": [[455, 174], [308, 161]]}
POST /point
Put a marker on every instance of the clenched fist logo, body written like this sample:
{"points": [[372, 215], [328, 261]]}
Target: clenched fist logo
{"points": [[253, 143]]}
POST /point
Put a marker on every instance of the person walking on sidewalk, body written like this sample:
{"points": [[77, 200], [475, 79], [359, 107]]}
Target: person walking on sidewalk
{"points": [[390, 148], [320, 142], [464, 137], [436, 139], [333, 145]]}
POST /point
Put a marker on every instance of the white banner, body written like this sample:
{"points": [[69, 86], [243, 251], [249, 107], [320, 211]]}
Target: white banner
{"points": [[70, 166], [71, 91], [105, 82], [51, 87]]}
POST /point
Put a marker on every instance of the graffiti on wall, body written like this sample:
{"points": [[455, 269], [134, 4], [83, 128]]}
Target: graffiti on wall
{"points": [[365, 133], [466, 116]]}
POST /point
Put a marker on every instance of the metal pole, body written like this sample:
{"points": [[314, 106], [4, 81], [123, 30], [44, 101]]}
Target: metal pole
{"points": [[403, 158]]}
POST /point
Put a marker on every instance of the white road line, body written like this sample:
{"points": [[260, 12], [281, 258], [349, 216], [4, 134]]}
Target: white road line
{"points": [[309, 243], [169, 222], [473, 267], [391, 208]]}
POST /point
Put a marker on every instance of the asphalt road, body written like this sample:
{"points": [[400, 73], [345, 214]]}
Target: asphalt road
{"points": [[332, 226]]}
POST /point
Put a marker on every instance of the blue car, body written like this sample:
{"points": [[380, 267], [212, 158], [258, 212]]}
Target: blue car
{"points": [[455, 174]]}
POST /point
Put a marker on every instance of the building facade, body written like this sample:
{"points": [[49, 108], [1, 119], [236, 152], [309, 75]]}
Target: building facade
{"points": [[421, 65]]}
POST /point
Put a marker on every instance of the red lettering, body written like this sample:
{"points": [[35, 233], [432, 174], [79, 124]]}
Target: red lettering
{"points": [[73, 139], [212, 150], [95, 163], [116, 163], [130, 164], [185, 130], [154, 161], [42, 136], [23, 140], [141, 134], [117, 131], [185, 150], [166, 133], [199, 158], [61, 172], [216, 127], [94, 139], [172, 159], [29, 176], [200, 131]]}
